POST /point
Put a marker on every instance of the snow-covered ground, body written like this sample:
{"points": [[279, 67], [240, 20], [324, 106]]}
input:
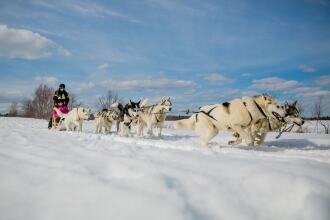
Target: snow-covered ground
{"points": [[75, 176]]}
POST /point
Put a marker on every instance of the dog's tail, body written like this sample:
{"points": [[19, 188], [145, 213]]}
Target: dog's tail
{"points": [[186, 123], [59, 113]]}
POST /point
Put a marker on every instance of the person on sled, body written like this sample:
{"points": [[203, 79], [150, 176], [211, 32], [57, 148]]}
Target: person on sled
{"points": [[61, 101]]}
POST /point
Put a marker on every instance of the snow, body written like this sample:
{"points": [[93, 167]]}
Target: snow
{"points": [[66, 175]]}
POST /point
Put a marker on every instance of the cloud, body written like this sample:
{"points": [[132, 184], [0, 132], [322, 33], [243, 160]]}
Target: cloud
{"points": [[274, 84], [91, 9], [323, 80], [25, 44], [11, 95], [246, 74], [307, 69], [216, 77], [103, 66], [83, 87], [148, 84], [50, 80]]}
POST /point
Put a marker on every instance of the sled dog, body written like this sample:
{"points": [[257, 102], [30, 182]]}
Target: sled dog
{"points": [[153, 116], [74, 119], [260, 129], [128, 115], [237, 115], [104, 119]]}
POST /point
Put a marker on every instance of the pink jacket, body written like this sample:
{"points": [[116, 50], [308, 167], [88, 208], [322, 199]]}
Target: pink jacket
{"points": [[64, 109]]}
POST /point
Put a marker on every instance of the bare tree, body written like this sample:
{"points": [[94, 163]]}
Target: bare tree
{"points": [[41, 104], [13, 110], [106, 101], [74, 103], [27, 108], [43, 101], [318, 113]]}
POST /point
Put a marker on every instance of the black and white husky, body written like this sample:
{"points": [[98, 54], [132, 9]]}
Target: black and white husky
{"points": [[128, 115], [104, 119]]}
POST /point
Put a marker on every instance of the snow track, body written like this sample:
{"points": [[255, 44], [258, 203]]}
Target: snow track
{"points": [[67, 175]]}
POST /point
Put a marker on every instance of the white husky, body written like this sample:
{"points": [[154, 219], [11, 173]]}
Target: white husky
{"points": [[153, 116], [238, 116], [75, 118]]}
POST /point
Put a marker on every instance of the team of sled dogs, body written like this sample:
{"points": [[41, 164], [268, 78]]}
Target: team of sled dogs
{"points": [[249, 118]]}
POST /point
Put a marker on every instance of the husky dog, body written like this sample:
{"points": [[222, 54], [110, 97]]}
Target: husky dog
{"points": [[105, 119], [125, 126], [130, 114], [153, 115], [261, 128], [75, 118], [237, 115]]}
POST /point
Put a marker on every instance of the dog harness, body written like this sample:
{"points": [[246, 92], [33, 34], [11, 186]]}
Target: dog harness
{"points": [[260, 110], [208, 113]]}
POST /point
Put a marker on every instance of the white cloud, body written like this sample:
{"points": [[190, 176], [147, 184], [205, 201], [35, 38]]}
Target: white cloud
{"points": [[86, 9], [309, 91], [8, 95], [25, 44], [246, 74], [84, 87], [103, 66], [274, 84], [323, 80], [50, 80], [216, 77], [307, 69], [148, 84]]}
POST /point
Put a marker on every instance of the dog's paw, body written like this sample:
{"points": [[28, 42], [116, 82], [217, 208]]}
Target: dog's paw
{"points": [[231, 142]]}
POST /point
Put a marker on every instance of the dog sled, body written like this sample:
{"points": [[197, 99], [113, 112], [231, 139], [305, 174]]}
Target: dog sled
{"points": [[56, 118]]}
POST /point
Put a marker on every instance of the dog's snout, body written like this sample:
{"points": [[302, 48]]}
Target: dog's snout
{"points": [[170, 109], [302, 122]]}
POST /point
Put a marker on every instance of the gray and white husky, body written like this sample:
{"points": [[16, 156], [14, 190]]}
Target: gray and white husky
{"points": [[153, 116], [260, 129], [104, 119]]}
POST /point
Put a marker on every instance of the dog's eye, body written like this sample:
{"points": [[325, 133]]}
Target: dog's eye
{"points": [[277, 106]]}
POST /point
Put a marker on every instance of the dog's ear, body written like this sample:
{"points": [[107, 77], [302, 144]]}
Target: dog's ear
{"points": [[144, 103], [130, 102], [115, 105], [264, 95], [294, 103], [286, 105]]}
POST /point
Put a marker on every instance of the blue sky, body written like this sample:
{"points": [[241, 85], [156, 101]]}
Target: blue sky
{"points": [[197, 52]]}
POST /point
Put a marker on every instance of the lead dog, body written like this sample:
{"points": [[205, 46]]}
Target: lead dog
{"points": [[153, 116], [104, 119], [75, 118], [260, 129], [237, 115]]}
